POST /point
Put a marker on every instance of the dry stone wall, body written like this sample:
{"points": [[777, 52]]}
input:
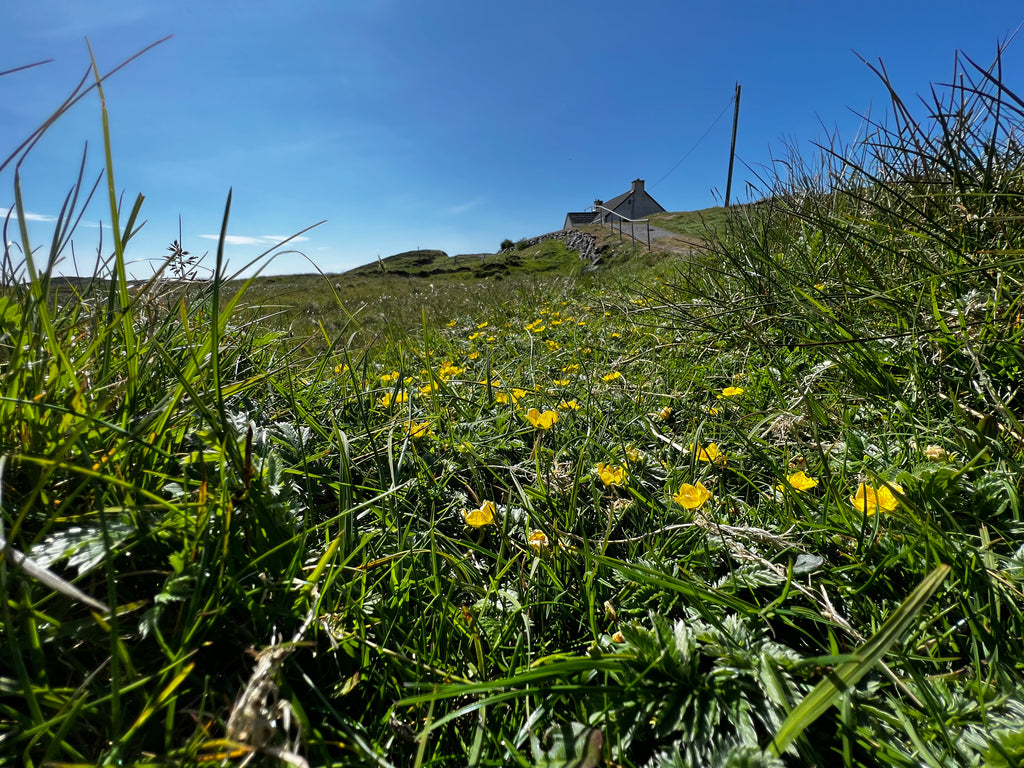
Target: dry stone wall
{"points": [[583, 243]]}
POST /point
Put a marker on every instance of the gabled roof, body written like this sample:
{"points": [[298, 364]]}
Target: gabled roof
{"points": [[615, 202], [636, 188]]}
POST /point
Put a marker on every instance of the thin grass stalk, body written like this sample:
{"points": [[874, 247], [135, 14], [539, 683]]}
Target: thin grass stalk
{"points": [[131, 350]]}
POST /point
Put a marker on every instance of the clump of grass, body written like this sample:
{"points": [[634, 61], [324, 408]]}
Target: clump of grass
{"points": [[759, 509]]}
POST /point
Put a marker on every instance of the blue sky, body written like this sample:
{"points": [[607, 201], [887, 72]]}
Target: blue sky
{"points": [[452, 124]]}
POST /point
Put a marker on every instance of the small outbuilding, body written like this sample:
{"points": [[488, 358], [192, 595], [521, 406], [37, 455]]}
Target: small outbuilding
{"points": [[637, 203]]}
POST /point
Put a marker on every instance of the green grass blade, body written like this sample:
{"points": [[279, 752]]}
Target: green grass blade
{"points": [[131, 359], [828, 691]]}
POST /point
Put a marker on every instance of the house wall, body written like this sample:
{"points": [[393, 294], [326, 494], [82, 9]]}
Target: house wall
{"points": [[579, 219]]}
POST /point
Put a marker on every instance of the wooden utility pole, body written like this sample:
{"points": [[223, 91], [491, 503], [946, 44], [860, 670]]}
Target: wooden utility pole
{"points": [[732, 147]]}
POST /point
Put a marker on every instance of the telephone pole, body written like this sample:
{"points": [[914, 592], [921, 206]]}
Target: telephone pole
{"points": [[732, 148]]}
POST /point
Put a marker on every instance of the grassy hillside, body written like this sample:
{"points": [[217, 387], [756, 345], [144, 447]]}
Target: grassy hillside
{"points": [[551, 257], [412, 286], [756, 507], [705, 224]]}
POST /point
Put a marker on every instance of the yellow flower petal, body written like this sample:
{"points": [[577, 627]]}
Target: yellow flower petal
{"points": [[418, 429], [611, 474], [692, 496], [710, 454], [541, 420], [480, 517], [871, 500], [538, 541], [799, 481], [390, 398]]}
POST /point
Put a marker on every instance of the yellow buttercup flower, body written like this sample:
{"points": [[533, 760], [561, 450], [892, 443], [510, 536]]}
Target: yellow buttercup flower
{"points": [[710, 454], [611, 474], [538, 541], [731, 392], [871, 500], [418, 429], [692, 496], [541, 420], [448, 370], [484, 515], [799, 481], [567, 405], [611, 376], [390, 398]]}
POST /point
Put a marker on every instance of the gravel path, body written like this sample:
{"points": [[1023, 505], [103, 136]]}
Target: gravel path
{"points": [[663, 238]]}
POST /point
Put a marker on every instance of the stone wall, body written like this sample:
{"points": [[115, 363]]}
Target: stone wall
{"points": [[583, 243]]}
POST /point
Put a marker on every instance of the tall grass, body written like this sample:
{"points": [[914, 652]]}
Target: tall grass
{"points": [[776, 520]]}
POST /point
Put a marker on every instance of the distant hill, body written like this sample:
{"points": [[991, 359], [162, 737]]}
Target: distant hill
{"points": [[422, 263], [547, 257]]}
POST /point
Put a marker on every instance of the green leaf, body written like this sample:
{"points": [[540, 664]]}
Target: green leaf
{"points": [[827, 692]]}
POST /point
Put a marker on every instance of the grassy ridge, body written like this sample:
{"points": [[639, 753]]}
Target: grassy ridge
{"points": [[760, 507]]}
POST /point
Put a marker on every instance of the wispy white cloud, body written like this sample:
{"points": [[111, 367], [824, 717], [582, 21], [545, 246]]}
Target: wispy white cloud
{"points": [[237, 239], [28, 215], [249, 240], [457, 209], [282, 238]]}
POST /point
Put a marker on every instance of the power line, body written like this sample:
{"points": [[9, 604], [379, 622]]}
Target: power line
{"points": [[703, 136]]}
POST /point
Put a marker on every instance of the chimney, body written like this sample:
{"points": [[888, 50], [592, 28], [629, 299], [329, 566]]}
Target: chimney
{"points": [[638, 186]]}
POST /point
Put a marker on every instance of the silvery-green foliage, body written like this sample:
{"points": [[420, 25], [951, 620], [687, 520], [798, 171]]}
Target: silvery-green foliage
{"points": [[721, 687]]}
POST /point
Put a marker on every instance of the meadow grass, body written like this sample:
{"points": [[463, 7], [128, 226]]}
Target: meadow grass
{"points": [[756, 508]]}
